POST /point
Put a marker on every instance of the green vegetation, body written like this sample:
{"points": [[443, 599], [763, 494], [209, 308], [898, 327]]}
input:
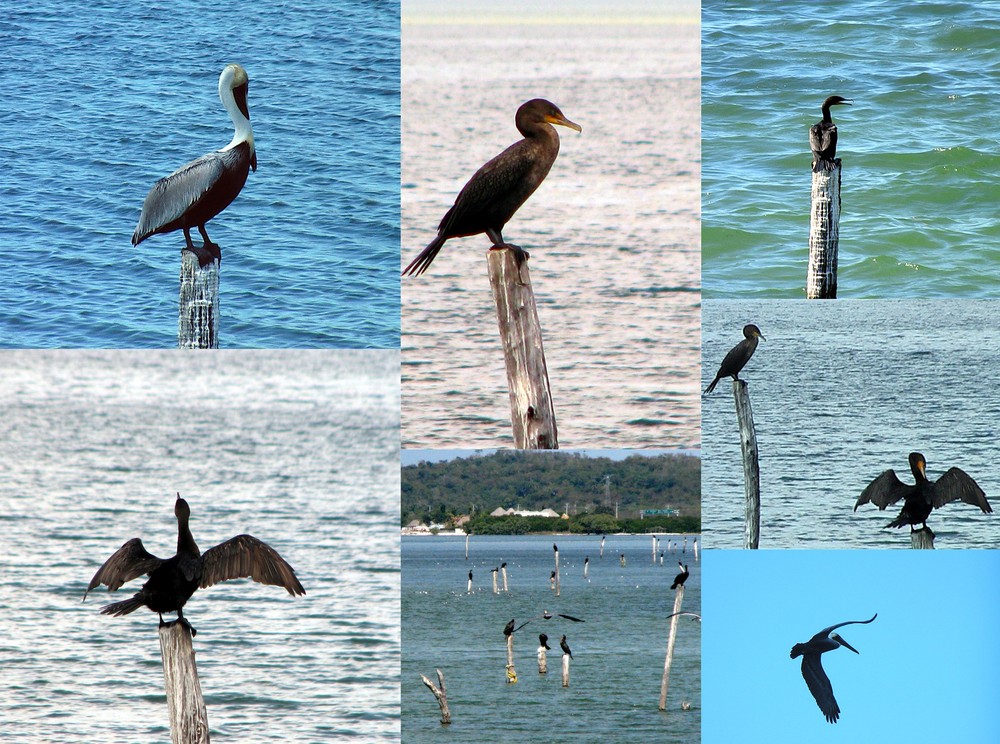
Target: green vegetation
{"points": [[590, 486]]}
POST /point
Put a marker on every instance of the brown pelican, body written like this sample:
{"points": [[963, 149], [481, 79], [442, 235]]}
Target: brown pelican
{"points": [[194, 194], [823, 135], [812, 668], [565, 647], [736, 358], [680, 578], [924, 495], [172, 581]]}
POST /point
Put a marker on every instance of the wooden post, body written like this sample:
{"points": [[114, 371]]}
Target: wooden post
{"points": [[922, 539], [469, 590], [621, 559], [696, 548], [565, 670], [654, 550], [543, 664], [441, 694], [555, 549], [824, 233], [494, 572], [511, 673], [466, 546], [586, 566], [198, 317], [678, 600], [532, 413], [751, 467], [602, 547], [188, 714], [503, 573]]}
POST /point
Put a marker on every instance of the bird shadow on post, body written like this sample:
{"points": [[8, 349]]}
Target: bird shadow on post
{"points": [[188, 714], [532, 413], [198, 315], [824, 231], [665, 682], [751, 466]]}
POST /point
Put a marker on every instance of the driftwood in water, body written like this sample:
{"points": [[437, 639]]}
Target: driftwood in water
{"points": [[532, 412], [751, 466], [665, 682], [824, 233], [441, 694], [198, 314], [188, 714]]}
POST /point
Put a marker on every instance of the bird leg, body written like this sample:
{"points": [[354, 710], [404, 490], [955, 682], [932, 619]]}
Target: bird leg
{"points": [[213, 248], [180, 619], [204, 253]]}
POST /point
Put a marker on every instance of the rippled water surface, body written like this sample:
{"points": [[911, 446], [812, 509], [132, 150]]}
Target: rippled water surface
{"points": [[102, 99], [299, 449], [919, 145], [842, 391], [613, 231], [618, 651]]}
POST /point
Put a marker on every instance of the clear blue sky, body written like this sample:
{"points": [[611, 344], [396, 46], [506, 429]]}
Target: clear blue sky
{"points": [[928, 668]]}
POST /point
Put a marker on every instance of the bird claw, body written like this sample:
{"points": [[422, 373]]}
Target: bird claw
{"points": [[206, 254]]}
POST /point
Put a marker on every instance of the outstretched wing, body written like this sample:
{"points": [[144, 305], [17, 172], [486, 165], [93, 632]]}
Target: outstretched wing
{"points": [[820, 687], [957, 484], [826, 631], [570, 617], [885, 490], [130, 561], [244, 556]]}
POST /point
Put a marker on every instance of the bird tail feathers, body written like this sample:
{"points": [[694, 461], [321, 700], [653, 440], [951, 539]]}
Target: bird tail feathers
{"points": [[124, 607], [420, 264]]}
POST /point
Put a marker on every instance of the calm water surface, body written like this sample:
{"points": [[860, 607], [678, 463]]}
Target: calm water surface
{"points": [[300, 449], [618, 652], [102, 99], [842, 391], [919, 145], [613, 232]]}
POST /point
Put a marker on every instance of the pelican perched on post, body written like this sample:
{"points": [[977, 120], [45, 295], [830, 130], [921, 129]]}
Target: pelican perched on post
{"points": [[812, 667], [195, 193]]}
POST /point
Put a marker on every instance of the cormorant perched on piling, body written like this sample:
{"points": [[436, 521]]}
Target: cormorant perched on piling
{"points": [[823, 135], [812, 667], [499, 188], [172, 581], [738, 356], [543, 641], [680, 578], [565, 647], [924, 495]]}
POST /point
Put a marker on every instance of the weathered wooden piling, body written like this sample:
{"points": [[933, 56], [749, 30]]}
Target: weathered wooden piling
{"points": [[532, 412], [565, 670], [511, 673], [824, 232], [441, 694], [751, 467], [469, 590], [467, 546], [503, 573], [493, 571], [922, 539], [555, 549], [586, 566], [188, 714], [602, 546], [543, 664], [664, 684], [198, 315], [621, 559]]}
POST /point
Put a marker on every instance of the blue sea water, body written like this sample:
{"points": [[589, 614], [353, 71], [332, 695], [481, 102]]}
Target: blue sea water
{"points": [[919, 146], [102, 98]]}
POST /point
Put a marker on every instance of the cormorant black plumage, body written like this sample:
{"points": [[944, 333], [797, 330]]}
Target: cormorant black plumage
{"points": [[823, 135], [738, 356]]}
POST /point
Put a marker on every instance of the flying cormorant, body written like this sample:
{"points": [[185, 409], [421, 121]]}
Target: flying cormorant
{"points": [[823, 135], [924, 495], [499, 188], [565, 647], [197, 192], [812, 668], [738, 356], [680, 578], [172, 581]]}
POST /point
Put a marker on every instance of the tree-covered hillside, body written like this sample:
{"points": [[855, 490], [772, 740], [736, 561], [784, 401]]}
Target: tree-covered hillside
{"points": [[476, 485]]}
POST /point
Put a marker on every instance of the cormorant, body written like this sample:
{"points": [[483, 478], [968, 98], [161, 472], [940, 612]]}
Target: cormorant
{"points": [[499, 188], [172, 581], [543, 641], [812, 668], [470, 575], [197, 192], [823, 135], [565, 647], [738, 356], [508, 629], [924, 495], [680, 578]]}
